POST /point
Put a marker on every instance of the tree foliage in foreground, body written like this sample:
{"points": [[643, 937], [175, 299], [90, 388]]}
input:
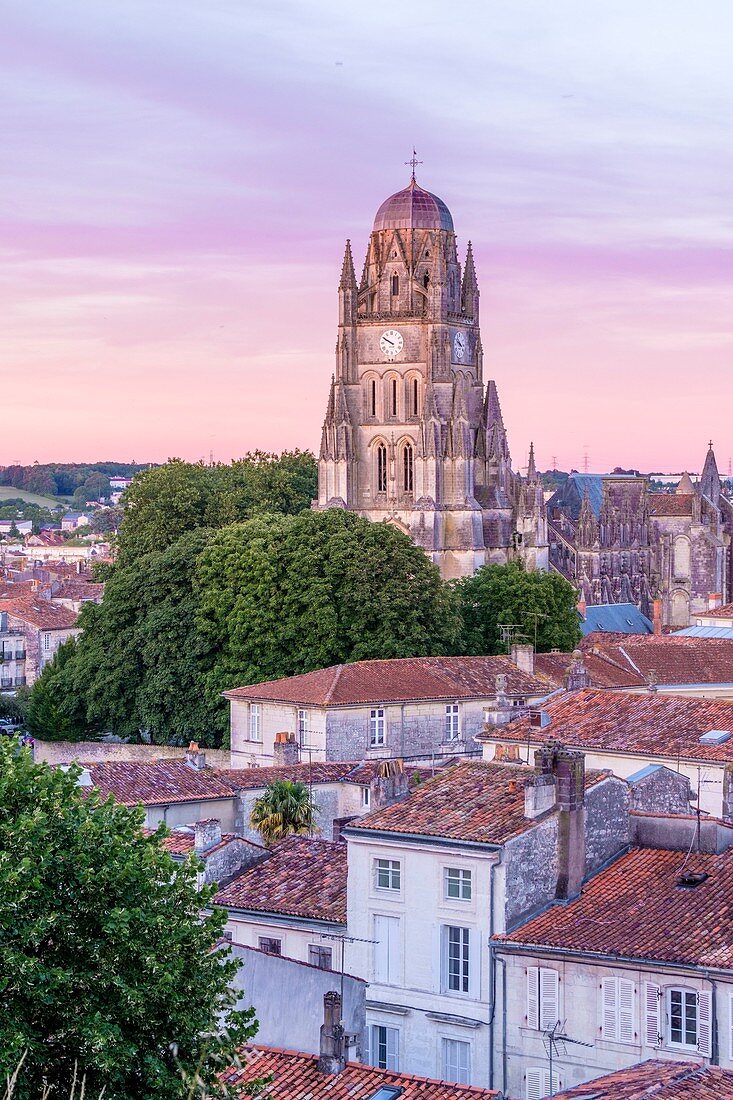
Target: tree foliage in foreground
{"points": [[508, 594], [283, 808], [108, 968]]}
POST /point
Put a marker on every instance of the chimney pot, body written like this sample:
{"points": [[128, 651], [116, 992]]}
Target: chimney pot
{"points": [[391, 784], [714, 600], [195, 758], [657, 616], [332, 1057], [206, 835], [285, 750]]}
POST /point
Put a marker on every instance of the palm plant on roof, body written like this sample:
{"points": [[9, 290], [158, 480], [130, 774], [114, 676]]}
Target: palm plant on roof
{"points": [[285, 807]]}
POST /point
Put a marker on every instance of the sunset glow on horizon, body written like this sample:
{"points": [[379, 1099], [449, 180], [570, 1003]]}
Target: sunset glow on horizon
{"points": [[180, 179]]}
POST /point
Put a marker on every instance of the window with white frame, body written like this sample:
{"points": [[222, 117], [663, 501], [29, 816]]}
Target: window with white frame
{"points": [[387, 953], [617, 1009], [457, 883], [365, 797], [387, 874], [255, 727], [456, 1061], [303, 726], [456, 959], [383, 1047], [376, 726], [538, 1083], [46, 641], [452, 722], [543, 997], [677, 1018]]}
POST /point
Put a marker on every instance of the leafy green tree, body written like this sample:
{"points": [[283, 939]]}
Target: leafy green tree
{"points": [[109, 965], [164, 503], [280, 595], [285, 807], [106, 521], [54, 710], [508, 594]]}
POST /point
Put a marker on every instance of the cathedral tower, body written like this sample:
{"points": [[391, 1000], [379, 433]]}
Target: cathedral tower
{"points": [[411, 435]]}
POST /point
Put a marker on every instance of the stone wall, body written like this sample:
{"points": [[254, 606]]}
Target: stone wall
{"points": [[657, 789], [411, 730], [92, 752], [530, 871], [607, 828]]}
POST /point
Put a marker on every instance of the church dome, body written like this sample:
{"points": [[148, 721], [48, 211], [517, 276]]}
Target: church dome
{"points": [[413, 208]]}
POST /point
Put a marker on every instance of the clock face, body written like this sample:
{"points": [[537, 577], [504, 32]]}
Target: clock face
{"points": [[459, 345], [391, 343]]}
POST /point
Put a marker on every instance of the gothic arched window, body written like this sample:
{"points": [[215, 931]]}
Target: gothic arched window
{"points": [[414, 397], [395, 285], [372, 397], [426, 280], [408, 468], [393, 397], [381, 468]]}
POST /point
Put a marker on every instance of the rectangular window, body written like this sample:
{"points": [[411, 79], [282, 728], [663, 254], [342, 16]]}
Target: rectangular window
{"points": [[384, 1047], [617, 1009], [456, 1061], [46, 641], [456, 959], [303, 729], [365, 797], [270, 946], [387, 954], [682, 1007], [321, 957], [457, 884], [543, 997], [452, 723], [255, 731], [376, 726], [387, 874], [538, 1083]]}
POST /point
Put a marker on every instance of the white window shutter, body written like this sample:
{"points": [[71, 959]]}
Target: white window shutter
{"points": [[393, 1049], [704, 1024], [368, 1044], [549, 997], [474, 963], [625, 1010], [395, 952], [535, 1083], [652, 1015], [730, 1021], [533, 986], [609, 1008]]}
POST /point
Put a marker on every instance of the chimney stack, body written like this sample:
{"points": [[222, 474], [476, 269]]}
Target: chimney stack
{"points": [[501, 713], [195, 758], [567, 768], [581, 606], [577, 676], [391, 784], [657, 616], [286, 750], [714, 600], [522, 655], [332, 1057], [206, 835]]}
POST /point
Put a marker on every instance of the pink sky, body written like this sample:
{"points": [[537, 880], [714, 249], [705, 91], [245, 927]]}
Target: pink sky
{"points": [[179, 178]]}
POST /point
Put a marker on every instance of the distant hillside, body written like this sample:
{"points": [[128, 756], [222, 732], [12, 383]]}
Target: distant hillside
{"points": [[81, 481]]}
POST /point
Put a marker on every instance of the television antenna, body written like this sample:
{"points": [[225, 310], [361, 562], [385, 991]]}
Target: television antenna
{"points": [[556, 1041], [510, 632], [342, 938]]}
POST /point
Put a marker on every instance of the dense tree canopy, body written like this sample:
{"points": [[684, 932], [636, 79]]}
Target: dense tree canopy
{"points": [[507, 594], [107, 964], [166, 502], [287, 594]]}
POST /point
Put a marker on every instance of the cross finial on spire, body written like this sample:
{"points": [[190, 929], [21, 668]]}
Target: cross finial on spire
{"points": [[710, 444], [413, 162]]}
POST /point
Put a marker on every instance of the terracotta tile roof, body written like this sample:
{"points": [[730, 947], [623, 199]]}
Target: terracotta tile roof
{"points": [[10, 590], [301, 877], [181, 841], [399, 681], [158, 783], [636, 909], [724, 612], [295, 1076], [670, 504], [653, 724], [76, 589], [657, 1080], [335, 771], [474, 801], [602, 670], [40, 613], [670, 659]]}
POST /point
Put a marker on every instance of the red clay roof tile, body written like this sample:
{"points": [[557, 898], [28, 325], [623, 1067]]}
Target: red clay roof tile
{"points": [[657, 1080], [295, 1076], [396, 681], [636, 909], [158, 783]]}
